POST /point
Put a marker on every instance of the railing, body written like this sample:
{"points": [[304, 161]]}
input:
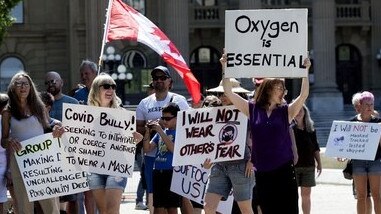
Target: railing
{"points": [[353, 14], [207, 16], [214, 16]]}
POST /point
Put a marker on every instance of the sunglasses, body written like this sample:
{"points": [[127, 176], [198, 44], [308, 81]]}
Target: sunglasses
{"points": [[167, 118], [51, 82], [108, 86], [21, 84], [162, 78]]}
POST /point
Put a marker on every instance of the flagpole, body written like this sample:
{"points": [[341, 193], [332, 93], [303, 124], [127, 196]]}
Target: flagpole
{"points": [[105, 34]]}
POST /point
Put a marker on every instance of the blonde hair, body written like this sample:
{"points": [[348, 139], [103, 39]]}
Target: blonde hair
{"points": [[308, 122], [94, 95]]}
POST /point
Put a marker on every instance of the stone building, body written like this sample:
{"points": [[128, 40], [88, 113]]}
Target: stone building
{"points": [[344, 39]]}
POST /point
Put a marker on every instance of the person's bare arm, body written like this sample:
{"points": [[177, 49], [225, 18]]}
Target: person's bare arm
{"points": [[240, 103], [297, 104]]}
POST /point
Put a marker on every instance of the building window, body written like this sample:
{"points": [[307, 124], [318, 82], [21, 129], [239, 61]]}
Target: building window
{"points": [[9, 67], [135, 62], [138, 5], [18, 13]]}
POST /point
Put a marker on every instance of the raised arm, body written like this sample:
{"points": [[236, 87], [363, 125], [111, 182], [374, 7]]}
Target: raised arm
{"points": [[240, 103], [297, 104]]}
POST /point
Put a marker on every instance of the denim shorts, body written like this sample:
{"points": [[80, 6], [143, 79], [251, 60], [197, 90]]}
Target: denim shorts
{"points": [[100, 181], [366, 167], [305, 176], [224, 176]]}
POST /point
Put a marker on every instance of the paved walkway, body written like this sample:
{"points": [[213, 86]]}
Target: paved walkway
{"points": [[332, 195]]}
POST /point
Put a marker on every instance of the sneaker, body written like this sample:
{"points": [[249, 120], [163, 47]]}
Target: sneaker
{"points": [[140, 206]]}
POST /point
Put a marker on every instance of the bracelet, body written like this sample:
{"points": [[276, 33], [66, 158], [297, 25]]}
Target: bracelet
{"points": [[144, 139]]}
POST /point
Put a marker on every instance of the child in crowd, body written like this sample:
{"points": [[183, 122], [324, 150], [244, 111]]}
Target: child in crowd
{"points": [[164, 201]]}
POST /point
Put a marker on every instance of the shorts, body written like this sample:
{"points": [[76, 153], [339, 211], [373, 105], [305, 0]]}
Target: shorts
{"points": [[366, 167], [305, 176], [224, 177], [163, 197], [100, 181], [148, 168]]}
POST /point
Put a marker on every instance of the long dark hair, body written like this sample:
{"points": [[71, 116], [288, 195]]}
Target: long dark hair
{"points": [[36, 106], [263, 92]]}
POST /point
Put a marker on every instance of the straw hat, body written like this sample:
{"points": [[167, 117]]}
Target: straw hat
{"points": [[236, 87]]}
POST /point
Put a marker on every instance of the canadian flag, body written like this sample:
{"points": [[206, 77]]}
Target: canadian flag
{"points": [[125, 23]]}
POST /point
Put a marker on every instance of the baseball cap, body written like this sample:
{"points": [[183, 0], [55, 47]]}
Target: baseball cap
{"points": [[162, 69]]}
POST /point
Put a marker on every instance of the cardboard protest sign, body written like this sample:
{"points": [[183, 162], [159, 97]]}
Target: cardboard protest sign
{"points": [[353, 140], [44, 171], [266, 43], [215, 133], [191, 181], [99, 140]]}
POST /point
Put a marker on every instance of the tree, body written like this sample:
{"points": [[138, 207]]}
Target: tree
{"points": [[5, 17]]}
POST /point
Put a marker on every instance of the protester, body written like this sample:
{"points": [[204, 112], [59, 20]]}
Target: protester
{"points": [[356, 105], [54, 85], [24, 118], [88, 71], [164, 200], [3, 160], [106, 189], [149, 109], [309, 156], [272, 154], [365, 171], [237, 174]]}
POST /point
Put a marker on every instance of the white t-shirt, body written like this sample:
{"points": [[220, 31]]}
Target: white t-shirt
{"points": [[150, 109]]}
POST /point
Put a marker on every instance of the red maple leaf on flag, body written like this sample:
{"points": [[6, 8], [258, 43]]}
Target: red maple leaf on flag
{"points": [[125, 23]]}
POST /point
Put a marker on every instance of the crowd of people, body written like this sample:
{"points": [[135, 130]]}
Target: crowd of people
{"points": [[281, 149]]}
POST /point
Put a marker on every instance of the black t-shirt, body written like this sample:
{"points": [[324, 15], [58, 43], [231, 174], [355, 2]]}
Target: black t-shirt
{"points": [[373, 120], [307, 145]]}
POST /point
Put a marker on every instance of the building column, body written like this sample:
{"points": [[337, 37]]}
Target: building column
{"points": [[175, 26], [324, 94], [95, 20], [375, 47]]}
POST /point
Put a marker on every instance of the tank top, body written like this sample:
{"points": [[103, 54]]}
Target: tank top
{"points": [[25, 128]]}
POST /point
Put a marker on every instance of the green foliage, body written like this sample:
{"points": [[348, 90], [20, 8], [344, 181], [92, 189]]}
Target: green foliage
{"points": [[5, 16]]}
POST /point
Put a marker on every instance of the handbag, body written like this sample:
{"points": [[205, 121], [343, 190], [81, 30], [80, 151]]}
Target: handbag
{"points": [[348, 170]]}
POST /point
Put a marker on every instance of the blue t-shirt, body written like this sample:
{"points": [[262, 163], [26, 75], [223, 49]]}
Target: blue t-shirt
{"points": [[164, 157], [56, 111], [82, 95]]}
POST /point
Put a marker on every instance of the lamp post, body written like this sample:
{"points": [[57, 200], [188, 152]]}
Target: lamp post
{"points": [[117, 71]]}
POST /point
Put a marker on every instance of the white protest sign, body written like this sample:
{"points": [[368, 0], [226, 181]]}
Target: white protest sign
{"points": [[44, 171], [266, 43], [215, 133], [191, 182], [353, 140], [99, 140]]}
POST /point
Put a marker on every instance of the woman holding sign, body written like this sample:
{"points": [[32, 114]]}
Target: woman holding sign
{"points": [[365, 170], [272, 155], [107, 189], [24, 118]]}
